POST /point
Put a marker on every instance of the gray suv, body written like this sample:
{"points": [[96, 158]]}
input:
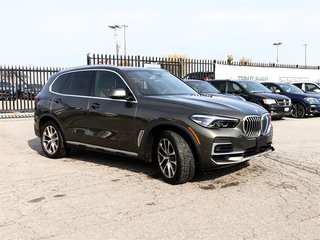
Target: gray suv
{"points": [[151, 115]]}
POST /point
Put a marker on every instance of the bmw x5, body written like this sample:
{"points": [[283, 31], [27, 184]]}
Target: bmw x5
{"points": [[151, 115]]}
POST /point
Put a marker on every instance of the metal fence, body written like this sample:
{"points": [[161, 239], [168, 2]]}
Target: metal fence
{"points": [[19, 85], [181, 67]]}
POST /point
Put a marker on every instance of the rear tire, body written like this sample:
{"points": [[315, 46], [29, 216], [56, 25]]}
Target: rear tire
{"points": [[299, 111], [52, 141], [174, 158]]}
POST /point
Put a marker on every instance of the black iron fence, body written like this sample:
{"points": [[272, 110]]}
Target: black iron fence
{"points": [[19, 86], [181, 67]]}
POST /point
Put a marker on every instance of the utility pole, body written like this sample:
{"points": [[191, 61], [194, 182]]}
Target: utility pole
{"points": [[305, 54], [277, 44], [114, 27], [124, 39]]}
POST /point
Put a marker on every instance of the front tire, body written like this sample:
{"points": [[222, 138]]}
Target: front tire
{"points": [[299, 111], [174, 158], [52, 141]]}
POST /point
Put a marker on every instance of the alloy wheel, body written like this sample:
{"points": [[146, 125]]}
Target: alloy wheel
{"points": [[167, 158], [298, 110], [50, 139]]}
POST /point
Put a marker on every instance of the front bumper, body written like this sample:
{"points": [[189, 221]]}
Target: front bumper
{"points": [[234, 157], [226, 147], [313, 109], [279, 111]]}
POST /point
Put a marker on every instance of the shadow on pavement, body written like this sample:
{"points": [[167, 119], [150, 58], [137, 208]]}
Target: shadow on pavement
{"points": [[132, 164]]}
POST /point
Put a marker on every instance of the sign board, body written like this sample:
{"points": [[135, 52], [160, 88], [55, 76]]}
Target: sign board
{"points": [[263, 74]]}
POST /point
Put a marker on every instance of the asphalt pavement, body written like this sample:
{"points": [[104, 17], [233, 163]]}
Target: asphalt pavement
{"points": [[90, 195]]}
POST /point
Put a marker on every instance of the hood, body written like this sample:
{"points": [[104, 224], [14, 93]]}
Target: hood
{"points": [[217, 105], [226, 95], [314, 95], [304, 95], [271, 95]]}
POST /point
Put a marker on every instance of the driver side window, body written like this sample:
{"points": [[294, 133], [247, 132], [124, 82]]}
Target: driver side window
{"points": [[106, 82], [234, 88], [273, 88]]}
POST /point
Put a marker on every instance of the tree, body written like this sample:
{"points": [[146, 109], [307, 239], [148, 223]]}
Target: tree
{"points": [[245, 61], [230, 59]]}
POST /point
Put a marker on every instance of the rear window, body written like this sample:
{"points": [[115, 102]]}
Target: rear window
{"points": [[76, 83]]}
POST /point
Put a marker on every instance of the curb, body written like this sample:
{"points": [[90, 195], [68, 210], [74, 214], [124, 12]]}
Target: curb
{"points": [[16, 115]]}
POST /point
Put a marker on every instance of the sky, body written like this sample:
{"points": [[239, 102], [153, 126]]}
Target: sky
{"points": [[62, 32]]}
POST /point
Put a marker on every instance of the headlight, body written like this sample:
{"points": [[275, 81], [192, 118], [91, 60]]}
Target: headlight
{"points": [[209, 121], [269, 101], [311, 100]]}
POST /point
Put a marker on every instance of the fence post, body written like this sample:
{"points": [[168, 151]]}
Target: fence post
{"points": [[88, 59]]}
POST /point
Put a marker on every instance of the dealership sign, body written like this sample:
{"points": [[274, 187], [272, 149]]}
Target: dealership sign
{"points": [[263, 74]]}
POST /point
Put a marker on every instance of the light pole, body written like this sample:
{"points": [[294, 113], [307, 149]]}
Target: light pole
{"points": [[124, 39], [277, 44], [305, 54], [114, 27]]}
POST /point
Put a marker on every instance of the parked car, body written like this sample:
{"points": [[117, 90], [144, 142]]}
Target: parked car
{"points": [[6, 90], [278, 106], [302, 103], [205, 88], [151, 115], [30, 90], [200, 75], [308, 87]]}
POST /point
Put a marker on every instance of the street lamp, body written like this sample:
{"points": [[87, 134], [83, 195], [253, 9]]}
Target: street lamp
{"points": [[124, 39], [277, 44], [114, 27], [305, 54]]}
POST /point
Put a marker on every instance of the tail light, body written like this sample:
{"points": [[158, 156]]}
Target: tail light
{"points": [[36, 100]]}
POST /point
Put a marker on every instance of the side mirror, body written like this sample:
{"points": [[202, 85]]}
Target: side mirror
{"points": [[118, 93]]}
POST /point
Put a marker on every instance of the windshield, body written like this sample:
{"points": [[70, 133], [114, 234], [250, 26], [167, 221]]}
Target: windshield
{"points": [[158, 82], [289, 88], [202, 87], [254, 87]]}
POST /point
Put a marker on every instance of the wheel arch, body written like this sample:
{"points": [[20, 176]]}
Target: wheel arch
{"points": [[299, 101], [151, 135], [49, 118]]}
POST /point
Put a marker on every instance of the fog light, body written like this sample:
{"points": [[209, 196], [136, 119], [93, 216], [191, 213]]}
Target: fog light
{"points": [[225, 148]]}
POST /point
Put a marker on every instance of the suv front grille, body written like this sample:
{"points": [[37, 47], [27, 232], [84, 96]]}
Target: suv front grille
{"points": [[284, 102], [252, 126]]}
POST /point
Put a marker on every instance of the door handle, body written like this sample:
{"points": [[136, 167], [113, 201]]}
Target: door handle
{"points": [[95, 105], [58, 100]]}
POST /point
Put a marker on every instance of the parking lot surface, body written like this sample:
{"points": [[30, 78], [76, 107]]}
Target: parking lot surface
{"points": [[92, 195]]}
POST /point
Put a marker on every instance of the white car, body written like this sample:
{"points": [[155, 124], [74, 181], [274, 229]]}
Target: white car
{"points": [[308, 87]]}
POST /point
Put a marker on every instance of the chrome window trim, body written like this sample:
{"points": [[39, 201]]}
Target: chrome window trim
{"points": [[93, 97], [132, 154]]}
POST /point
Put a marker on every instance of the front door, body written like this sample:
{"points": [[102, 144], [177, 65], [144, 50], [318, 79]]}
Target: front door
{"points": [[113, 120]]}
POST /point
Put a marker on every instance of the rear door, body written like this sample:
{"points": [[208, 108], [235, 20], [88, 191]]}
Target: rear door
{"points": [[70, 103]]}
